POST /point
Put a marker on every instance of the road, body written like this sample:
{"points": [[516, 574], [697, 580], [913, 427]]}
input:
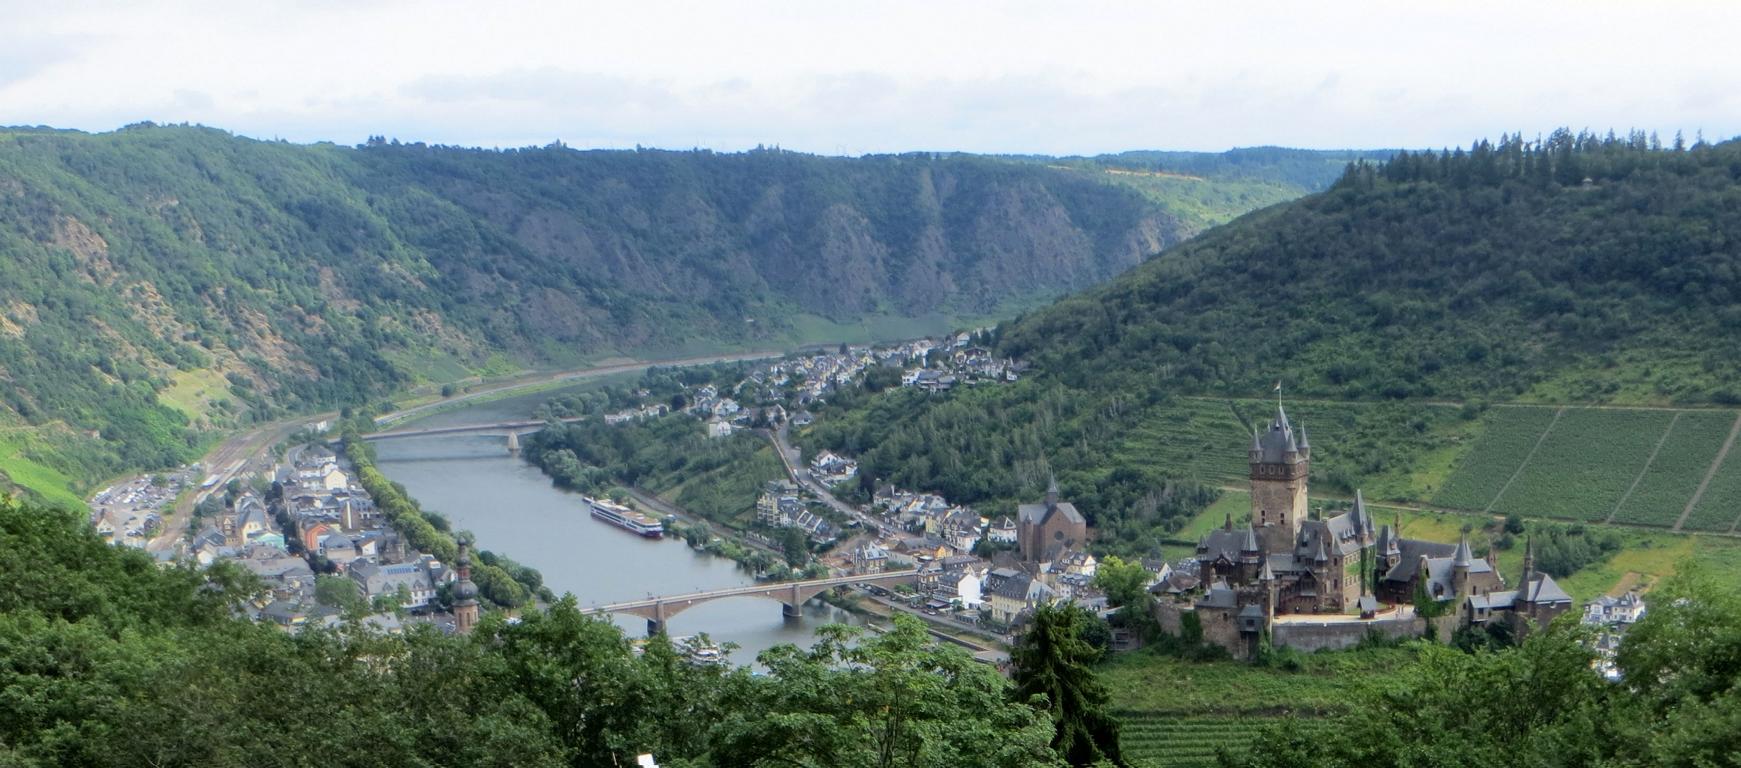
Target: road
{"points": [[793, 461]]}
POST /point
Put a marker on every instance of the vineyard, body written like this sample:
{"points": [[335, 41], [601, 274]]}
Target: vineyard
{"points": [[1507, 437], [1178, 713], [1184, 741], [1198, 438], [1668, 484], [1353, 444], [1720, 507], [1631, 466], [1585, 465]]}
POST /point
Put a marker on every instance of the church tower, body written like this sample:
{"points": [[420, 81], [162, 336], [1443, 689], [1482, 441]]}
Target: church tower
{"points": [[465, 594], [1280, 461]]}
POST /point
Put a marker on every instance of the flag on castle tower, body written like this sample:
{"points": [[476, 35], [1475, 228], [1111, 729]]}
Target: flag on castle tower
{"points": [[1278, 385]]}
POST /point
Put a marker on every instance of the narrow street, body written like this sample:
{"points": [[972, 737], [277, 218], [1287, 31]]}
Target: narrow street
{"points": [[793, 461]]}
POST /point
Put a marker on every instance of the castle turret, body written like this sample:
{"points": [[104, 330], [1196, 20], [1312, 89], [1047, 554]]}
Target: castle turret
{"points": [[1460, 564], [465, 593], [1523, 585]]}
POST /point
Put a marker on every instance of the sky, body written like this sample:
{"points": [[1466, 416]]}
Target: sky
{"points": [[851, 78]]}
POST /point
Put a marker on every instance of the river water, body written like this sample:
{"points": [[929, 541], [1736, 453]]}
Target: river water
{"points": [[513, 509]]}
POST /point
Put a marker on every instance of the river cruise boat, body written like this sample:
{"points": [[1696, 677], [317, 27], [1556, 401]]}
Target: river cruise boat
{"points": [[626, 519]]}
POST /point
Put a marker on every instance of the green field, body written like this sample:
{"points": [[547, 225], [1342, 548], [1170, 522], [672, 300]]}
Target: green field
{"points": [[1585, 465], [1507, 436], [1668, 484], [18, 467]]}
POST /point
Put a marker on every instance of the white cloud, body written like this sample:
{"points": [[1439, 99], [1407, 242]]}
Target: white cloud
{"points": [[833, 76]]}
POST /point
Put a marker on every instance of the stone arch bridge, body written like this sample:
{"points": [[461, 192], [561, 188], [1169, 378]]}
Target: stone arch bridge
{"points": [[792, 596]]}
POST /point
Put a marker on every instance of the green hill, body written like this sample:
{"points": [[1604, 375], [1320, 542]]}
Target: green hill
{"points": [[160, 283], [1581, 269]]}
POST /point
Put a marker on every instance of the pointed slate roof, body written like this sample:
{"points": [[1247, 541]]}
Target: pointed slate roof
{"points": [[1462, 558], [1278, 440]]}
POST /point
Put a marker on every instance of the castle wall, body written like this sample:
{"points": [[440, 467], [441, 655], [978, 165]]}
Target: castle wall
{"points": [[1222, 629], [1308, 637]]}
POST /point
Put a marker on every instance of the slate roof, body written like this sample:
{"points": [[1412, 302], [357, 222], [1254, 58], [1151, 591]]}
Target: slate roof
{"points": [[1411, 551], [1219, 596], [1227, 543], [1543, 589], [1278, 440], [1039, 513], [1338, 534], [1008, 584]]}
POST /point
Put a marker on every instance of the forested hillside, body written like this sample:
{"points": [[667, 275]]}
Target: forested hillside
{"points": [[1577, 269], [160, 281]]}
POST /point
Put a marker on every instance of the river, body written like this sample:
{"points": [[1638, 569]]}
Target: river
{"points": [[513, 509]]}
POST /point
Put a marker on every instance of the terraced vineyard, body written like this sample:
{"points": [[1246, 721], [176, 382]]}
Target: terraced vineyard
{"points": [[1585, 464], [1720, 508], [1177, 713], [1669, 482], [1507, 436], [1183, 741], [1192, 437], [1353, 443]]}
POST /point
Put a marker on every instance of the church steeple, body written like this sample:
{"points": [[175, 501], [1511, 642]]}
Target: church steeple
{"points": [[465, 593], [1052, 492]]}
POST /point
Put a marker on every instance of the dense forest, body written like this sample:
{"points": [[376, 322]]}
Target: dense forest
{"points": [[1574, 268], [160, 281]]}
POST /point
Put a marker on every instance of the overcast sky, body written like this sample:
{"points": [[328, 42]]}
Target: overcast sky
{"points": [[876, 75]]}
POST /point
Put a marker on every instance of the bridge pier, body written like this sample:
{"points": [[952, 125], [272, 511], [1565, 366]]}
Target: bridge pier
{"points": [[791, 612], [513, 443], [655, 627]]}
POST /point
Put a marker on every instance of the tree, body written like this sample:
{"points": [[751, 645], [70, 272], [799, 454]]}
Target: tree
{"points": [[1054, 670], [340, 592], [1126, 585], [796, 546], [895, 699]]}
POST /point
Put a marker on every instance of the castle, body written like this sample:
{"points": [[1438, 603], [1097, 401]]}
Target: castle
{"points": [[1324, 583]]}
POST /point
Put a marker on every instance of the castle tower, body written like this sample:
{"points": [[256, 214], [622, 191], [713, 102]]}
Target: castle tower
{"points": [[1279, 466], [465, 594]]}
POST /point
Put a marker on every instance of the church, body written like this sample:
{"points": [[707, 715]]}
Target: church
{"points": [[1352, 574]]}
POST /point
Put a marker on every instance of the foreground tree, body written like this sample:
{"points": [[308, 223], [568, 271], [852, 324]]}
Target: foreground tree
{"points": [[1054, 669], [1541, 704], [896, 699]]}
